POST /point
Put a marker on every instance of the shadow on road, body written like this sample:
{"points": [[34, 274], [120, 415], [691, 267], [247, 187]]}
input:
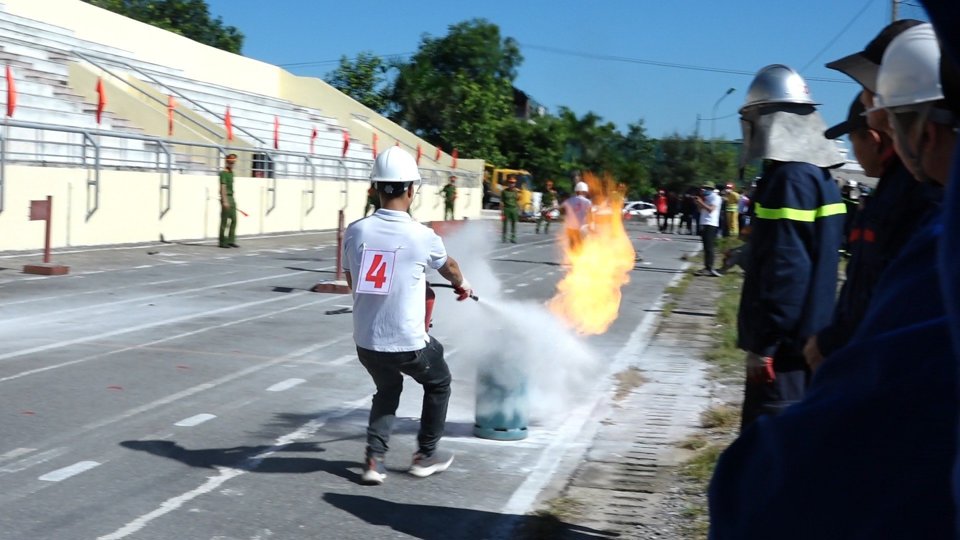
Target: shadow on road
{"points": [[248, 458], [443, 523]]}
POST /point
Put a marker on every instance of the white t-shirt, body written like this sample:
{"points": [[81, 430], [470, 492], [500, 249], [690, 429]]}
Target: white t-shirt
{"points": [[711, 218], [387, 255], [578, 207]]}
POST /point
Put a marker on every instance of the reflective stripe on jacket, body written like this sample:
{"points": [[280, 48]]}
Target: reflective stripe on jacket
{"points": [[790, 281]]}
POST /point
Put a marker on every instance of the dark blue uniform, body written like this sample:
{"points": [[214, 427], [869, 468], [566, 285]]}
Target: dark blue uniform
{"points": [[878, 233], [945, 16], [789, 288], [868, 452]]}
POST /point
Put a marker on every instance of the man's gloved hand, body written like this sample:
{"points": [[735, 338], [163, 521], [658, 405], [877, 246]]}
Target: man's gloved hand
{"points": [[464, 290], [760, 369]]}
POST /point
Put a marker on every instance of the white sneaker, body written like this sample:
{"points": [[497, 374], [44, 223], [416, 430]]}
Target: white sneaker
{"points": [[425, 465], [374, 472]]}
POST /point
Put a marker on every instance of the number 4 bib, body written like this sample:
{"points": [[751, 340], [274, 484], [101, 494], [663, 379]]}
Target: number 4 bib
{"points": [[376, 271]]}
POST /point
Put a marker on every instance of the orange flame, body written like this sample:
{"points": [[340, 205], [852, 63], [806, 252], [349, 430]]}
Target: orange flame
{"points": [[588, 297]]}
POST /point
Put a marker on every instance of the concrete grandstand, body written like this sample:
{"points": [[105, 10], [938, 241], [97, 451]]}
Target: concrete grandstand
{"points": [[128, 180]]}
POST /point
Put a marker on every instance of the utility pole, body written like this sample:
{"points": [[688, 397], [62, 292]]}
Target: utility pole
{"points": [[696, 130], [894, 9]]}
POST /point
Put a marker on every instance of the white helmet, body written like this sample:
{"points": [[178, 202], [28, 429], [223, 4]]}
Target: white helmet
{"points": [[777, 83], [395, 165], [910, 72], [581, 187]]}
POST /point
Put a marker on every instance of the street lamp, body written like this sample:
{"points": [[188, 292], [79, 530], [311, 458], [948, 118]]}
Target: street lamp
{"points": [[713, 117]]}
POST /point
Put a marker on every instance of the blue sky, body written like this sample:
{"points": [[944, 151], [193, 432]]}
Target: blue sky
{"points": [[737, 35]]}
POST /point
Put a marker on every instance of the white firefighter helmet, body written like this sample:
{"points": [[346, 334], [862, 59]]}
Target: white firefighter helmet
{"points": [[777, 83], [395, 165], [910, 72], [581, 187]]}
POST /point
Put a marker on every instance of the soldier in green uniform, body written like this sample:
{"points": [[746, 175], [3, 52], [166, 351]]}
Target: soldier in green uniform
{"points": [[548, 202], [449, 195], [228, 207], [509, 205]]}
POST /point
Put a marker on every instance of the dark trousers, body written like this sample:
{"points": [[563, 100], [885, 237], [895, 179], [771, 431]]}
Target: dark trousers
{"points": [[708, 233], [228, 223], [425, 366], [447, 212], [772, 398]]}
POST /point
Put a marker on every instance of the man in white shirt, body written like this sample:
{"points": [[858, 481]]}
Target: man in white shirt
{"points": [[709, 204], [577, 214], [385, 257]]}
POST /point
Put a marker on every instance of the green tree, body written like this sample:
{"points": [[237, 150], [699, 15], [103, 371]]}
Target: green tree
{"points": [[189, 18], [457, 90], [364, 79], [638, 151]]}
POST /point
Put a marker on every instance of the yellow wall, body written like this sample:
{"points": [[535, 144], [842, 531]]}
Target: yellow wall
{"points": [[130, 205]]}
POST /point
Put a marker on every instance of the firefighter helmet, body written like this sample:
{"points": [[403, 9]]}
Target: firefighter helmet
{"points": [[777, 83]]}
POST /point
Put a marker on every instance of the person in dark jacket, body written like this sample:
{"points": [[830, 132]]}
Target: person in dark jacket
{"points": [[868, 453], [790, 277], [899, 202]]}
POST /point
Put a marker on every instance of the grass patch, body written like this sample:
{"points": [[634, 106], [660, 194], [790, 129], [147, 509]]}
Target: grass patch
{"points": [[550, 522], [627, 380], [693, 442], [699, 468], [723, 417]]}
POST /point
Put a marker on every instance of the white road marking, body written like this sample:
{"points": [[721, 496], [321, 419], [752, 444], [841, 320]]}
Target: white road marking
{"points": [[42, 457], [525, 495], [508, 291], [91, 272], [538, 279], [178, 336], [521, 284], [67, 472], [285, 385], [195, 420], [145, 326], [142, 266], [226, 473], [16, 452], [215, 383], [343, 360]]}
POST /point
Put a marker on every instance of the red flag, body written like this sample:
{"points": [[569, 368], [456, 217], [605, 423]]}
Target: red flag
{"points": [[11, 93], [453, 165], [101, 99], [228, 124], [375, 146], [313, 138], [419, 153], [436, 157], [346, 143], [171, 105], [276, 132]]}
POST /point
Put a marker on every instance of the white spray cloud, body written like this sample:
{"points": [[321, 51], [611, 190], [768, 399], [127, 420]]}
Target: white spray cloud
{"points": [[518, 344]]}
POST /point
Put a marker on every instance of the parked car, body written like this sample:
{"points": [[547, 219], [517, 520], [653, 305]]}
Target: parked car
{"points": [[639, 210]]}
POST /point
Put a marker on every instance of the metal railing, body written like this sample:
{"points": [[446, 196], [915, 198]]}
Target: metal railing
{"points": [[48, 145]]}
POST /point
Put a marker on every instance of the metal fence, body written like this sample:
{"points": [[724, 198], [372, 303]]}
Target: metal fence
{"points": [[47, 145]]}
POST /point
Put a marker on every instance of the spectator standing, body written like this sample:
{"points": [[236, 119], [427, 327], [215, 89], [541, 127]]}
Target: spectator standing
{"points": [[709, 204], [790, 277], [869, 451]]}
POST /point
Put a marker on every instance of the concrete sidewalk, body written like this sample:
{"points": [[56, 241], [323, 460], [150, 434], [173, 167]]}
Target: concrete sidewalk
{"points": [[626, 484]]}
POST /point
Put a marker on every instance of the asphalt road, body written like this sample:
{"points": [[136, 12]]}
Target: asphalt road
{"points": [[182, 391]]}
